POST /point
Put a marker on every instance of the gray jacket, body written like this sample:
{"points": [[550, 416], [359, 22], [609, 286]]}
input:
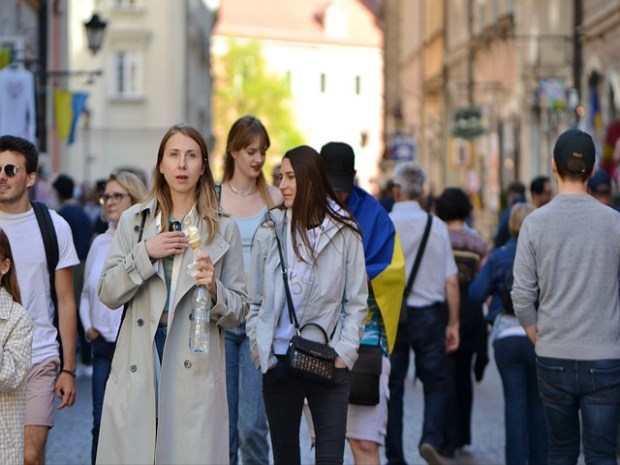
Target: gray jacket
{"points": [[335, 297]]}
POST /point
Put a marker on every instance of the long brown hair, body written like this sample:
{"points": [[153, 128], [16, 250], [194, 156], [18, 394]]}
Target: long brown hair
{"points": [[9, 280], [241, 135], [205, 198], [313, 192]]}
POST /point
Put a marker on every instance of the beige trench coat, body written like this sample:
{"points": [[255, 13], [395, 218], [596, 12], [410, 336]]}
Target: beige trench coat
{"points": [[190, 404]]}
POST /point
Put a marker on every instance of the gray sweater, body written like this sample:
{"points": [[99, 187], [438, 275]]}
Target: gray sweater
{"points": [[568, 258]]}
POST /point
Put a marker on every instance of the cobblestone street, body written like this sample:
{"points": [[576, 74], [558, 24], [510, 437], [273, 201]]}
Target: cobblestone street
{"points": [[69, 441]]}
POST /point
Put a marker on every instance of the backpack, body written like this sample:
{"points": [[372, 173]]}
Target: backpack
{"points": [[50, 243]]}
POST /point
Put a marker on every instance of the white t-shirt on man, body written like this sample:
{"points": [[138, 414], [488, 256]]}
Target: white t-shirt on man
{"points": [[26, 241]]}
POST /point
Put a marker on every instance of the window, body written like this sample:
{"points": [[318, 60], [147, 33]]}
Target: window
{"points": [[128, 74], [125, 3], [358, 85], [323, 83]]}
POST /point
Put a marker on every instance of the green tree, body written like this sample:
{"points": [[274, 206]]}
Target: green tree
{"points": [[244, 86]]}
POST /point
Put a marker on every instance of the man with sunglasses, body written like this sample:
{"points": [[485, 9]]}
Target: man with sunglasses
{"points": [[18, 165]]}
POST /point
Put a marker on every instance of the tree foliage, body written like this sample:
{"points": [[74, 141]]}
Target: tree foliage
{"points": [[244, 85]]}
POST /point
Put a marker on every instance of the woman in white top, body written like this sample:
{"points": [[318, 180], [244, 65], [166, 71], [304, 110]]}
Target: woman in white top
{"points": [[122, 190], [246, 196], [324, 267]]}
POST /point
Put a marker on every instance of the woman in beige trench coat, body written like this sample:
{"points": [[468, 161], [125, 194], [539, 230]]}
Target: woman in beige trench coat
{"points": [[163, 403]]}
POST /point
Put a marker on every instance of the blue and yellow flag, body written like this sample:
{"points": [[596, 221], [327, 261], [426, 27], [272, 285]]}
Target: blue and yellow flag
{"points": [[385, 262]]}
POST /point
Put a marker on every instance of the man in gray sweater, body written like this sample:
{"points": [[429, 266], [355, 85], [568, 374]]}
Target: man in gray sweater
{"points": [[566, 296]]}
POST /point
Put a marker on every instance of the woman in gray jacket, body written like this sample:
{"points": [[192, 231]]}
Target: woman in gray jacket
{"points": [[165, 404], [323, 249]]}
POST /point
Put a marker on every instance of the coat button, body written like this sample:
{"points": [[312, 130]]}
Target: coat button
{"points": [[140, 322], [133, 368], [187, 364]]}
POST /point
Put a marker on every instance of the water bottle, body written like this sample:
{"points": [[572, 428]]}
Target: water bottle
{"points": [[199, 326]]}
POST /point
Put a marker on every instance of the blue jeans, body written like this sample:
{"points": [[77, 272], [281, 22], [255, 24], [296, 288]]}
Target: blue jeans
{"points": [[526, 432], [425, 332], [591, 387], [248, 429], [102, 352], [284, 401]]}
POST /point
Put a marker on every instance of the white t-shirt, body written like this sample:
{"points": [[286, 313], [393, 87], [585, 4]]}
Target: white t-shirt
{"points": [[26, 241], [93, 313]]}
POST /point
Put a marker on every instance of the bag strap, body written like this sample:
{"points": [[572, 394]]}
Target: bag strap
{"points": [[289, 299], [418, 257], [50, 244], [283, 267]]}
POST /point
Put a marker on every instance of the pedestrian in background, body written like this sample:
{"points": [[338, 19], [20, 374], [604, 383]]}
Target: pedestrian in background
{"points": [[246, 196], [122, 190], [385, 270], [524, 421], [81, 226], [431, 323], [323, 250], [163, 403], [469, 248], [53, 346], [540, 191], [566, 296], [515, 193], [16, 343]]}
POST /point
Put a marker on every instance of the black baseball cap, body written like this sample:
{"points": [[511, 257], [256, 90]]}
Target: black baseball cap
{"points": [[574, 152], [339, 160]]}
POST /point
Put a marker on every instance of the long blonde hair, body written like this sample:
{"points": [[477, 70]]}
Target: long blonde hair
{"points": [[205, 198]]}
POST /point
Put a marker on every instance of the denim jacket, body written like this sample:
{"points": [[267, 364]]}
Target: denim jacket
{"points": [[490, 279]]}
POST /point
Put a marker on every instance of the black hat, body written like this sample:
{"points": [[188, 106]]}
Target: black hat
{"points": [[574, 152], [600, 183], [339, 160]]}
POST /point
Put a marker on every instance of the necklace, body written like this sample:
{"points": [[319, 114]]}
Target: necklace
{"points": [[241, 194]]}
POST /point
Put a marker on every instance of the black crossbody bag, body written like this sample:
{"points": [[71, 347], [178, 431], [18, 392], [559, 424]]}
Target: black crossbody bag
{"points": [[306, 359]]}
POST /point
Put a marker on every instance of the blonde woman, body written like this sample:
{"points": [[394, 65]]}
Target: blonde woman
{"points": [[163, 403], [122, 190]]}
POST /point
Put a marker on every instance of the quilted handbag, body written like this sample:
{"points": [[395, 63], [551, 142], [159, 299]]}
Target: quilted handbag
{"points": [[311, 360]]}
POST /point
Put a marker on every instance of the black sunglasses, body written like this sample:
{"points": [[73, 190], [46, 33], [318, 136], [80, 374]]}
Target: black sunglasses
{"points": [[10, 170], [175, 226]]}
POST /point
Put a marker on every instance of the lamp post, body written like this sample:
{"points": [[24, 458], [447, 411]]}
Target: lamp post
{"points": [[95, 27]]}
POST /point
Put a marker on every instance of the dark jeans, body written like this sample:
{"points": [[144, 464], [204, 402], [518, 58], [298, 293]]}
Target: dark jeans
{"points": [[284, 401], [247, 420], [591, 387], [524, 419], [102, 352], [460, 399], [425, 332]]}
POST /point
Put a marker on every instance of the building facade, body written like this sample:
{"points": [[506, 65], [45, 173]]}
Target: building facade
{"points": [[331, 54], [155, 72], [484, 87]]}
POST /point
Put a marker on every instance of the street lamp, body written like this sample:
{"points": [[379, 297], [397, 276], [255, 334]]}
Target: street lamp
{"points": [[94, 32]]}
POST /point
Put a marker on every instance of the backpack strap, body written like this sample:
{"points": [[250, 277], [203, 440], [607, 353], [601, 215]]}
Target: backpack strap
{"points": [[50, 244]]}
